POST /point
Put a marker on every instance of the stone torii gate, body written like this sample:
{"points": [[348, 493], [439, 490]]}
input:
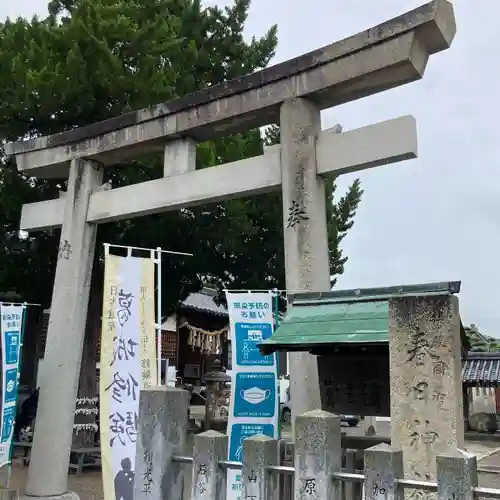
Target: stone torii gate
{"points": [[292, 94]]}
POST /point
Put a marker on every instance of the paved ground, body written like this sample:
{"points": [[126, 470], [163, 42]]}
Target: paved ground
{"points": [[89, 484]]}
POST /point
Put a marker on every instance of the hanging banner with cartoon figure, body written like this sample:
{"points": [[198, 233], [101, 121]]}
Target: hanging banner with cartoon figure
{"points": [[128, 364], [12, 323], [254, 405]]}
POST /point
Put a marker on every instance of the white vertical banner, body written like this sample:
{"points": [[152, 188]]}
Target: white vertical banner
{"points": [[11, 328], [128, 364], [254, 407]]}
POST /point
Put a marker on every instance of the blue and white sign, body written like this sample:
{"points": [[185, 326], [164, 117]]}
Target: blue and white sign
{"points": [[12, 340], [8, 420], [11, 327], [248, 336], [240, 432], [254, 396], [10, 386]]}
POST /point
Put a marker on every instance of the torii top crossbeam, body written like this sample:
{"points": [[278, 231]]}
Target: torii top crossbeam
{"points": [[386, 56]]}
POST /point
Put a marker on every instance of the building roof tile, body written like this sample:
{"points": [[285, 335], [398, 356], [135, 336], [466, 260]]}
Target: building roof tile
{"points": [[482, 369]]}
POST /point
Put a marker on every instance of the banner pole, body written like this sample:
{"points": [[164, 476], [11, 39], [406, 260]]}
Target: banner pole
{"points": [[278, 391], [23, 323], [158, 316]]}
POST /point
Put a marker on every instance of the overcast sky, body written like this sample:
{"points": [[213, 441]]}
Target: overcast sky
{"points": [[429, 219]]}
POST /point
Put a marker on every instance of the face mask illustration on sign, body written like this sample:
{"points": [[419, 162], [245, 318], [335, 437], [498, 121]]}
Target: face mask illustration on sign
{"points": [[254, 395]]}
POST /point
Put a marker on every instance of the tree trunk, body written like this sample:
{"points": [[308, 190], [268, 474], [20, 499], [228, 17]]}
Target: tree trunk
{"points": [[88, 373]]}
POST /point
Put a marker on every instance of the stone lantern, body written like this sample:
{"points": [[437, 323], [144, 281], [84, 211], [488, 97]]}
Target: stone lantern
{"points": [[218, 396]]}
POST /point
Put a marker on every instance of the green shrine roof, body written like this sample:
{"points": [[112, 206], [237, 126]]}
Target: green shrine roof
{"points": [[342, 317]]}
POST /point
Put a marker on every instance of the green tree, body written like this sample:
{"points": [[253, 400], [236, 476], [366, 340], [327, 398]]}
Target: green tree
{"points": [[479, 342], [94, 59]]}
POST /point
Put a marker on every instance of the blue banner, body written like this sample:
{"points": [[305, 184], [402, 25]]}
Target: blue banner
{"points": [[254, 405], [11, 331]]}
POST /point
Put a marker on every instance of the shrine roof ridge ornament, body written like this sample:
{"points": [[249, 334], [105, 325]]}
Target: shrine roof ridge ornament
{"points": [[380, 58]]}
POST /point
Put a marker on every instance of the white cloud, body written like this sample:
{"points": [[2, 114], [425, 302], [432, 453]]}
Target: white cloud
{"points": [[24, 8], [434, 218]]}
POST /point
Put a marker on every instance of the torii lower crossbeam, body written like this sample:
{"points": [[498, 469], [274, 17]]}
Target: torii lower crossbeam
{"points": [[380, 144]]}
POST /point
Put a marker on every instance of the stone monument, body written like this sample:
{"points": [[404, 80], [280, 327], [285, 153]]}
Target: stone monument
{"points": [[426, 381]]}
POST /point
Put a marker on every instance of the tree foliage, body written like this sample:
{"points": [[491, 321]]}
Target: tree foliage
{"points": [[94, 59], [479, 342]]}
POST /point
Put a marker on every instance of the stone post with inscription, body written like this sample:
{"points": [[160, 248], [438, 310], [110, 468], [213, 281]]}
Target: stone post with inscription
{"points": [[258, 453], [457, 476], [383, 467], [318, 454], [161, 433], [208, 480], [426, 383]]}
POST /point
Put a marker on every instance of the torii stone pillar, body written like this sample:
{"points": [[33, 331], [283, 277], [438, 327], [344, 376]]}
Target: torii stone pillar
{"points": [[305, 231], [70, 297]]}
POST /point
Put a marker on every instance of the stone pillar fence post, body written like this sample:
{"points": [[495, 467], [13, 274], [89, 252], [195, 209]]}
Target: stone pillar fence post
{"points": [[318, 473]]}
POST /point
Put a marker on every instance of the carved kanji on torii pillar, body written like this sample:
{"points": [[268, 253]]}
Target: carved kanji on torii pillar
{"points": [[292, 94]]}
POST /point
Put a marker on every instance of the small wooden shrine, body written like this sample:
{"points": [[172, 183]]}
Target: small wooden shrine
{"points": [[348, 331]]}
